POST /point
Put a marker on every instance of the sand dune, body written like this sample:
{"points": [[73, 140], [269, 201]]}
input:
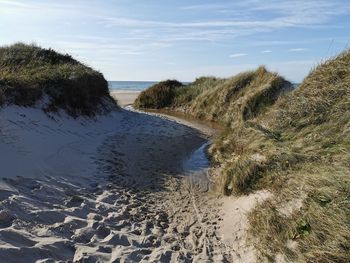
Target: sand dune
{"points": [[106, 190]]}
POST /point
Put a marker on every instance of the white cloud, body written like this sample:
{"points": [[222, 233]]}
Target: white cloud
{"points": [[297, 49], [285, 14], [14, 3], [114, 37], [203, 7], [237, 55]]}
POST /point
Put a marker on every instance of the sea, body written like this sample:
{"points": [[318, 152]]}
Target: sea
{"points": [[130, 85]]}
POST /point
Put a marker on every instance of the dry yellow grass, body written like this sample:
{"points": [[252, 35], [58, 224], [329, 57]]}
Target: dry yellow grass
{"points": [[296, 145], [314, 123]]}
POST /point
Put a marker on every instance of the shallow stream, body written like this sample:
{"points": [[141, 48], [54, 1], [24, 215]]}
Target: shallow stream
{"points": [[196, 168]]}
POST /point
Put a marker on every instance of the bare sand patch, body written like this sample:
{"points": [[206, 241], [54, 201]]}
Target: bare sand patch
{"points": [[125, 97], [112, 189], [108, 190]]}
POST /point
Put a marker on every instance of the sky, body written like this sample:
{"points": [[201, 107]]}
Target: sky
{"points": [[183, 39]]}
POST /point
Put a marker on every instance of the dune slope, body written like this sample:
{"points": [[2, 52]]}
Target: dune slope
{"points": [[295, 145], [307, 169]]}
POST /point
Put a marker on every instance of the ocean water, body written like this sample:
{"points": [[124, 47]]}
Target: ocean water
{"points": [[130, 85]]}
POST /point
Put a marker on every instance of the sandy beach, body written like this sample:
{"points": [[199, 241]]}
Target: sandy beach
{"points": [[125, 97], [174, 131], [112, 189]]}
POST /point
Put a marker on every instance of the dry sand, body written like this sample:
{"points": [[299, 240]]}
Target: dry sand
{"points": [[110, 190], [125, 97]]}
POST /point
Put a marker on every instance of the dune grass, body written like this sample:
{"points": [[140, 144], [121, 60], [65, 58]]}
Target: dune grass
{"points": [[295, 144], [159, 95], [216, 99], [314, 123], [299, 149], [28, 72]]}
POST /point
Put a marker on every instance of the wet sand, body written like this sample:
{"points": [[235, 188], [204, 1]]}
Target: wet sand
{"points": [[126, 98]]}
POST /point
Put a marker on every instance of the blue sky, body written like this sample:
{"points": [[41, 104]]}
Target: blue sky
{"points": [[160, 39]]}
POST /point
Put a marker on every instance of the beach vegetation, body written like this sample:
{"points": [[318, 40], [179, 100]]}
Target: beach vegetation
{"points": [[295, 143], [28, 73], [159, 95]]}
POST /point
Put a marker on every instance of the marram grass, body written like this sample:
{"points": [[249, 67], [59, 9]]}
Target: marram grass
{"points": [[294, 143], [28, 72]]}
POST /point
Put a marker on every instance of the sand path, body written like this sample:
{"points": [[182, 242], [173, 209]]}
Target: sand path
{"points": [[111, 191]]}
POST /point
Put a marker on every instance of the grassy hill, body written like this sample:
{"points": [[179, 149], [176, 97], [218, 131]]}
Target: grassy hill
{"points": [[219, 99], [308, 163], [295, 144], [29, 72]]}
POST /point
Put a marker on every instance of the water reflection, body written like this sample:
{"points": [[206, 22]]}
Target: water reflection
{"points": [[198, 160], [196, 169]]}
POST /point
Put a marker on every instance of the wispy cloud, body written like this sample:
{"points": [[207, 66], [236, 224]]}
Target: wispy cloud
{"points": [[237, 55], [259, 16], [203, 7], [274, 15], [14, 3], [297, 49], [99, 48], [126, 32]]}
